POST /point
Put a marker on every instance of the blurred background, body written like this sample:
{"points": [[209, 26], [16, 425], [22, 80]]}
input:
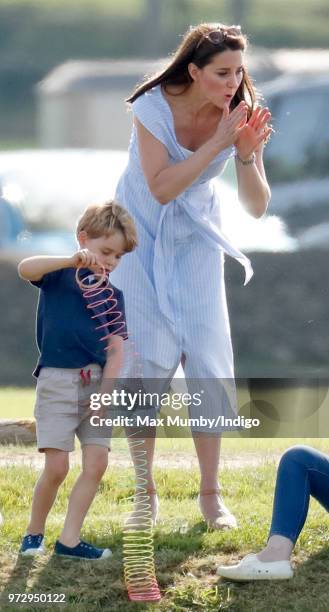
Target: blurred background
{"points": [[66, 67]]}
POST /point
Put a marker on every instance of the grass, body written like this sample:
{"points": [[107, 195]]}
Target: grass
{"points": [[16, 403], [294, 23], [186, 553]]}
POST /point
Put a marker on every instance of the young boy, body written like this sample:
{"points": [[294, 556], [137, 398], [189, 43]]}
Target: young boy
{"points": [[72, 365]]}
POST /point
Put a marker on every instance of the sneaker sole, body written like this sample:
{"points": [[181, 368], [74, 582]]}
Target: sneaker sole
{"points": [[102, 558], [255, 577], [32, 552]]}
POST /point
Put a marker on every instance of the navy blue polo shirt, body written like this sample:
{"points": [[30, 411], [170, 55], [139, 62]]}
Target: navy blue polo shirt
{"points": [[65, 330]]}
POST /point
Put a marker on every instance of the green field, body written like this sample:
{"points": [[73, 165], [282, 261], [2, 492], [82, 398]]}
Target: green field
{"points": [[16, 403], [186, 553], [257, 10], [115, 6]]}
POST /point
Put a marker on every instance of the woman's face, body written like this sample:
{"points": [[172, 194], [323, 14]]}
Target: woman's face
{"points": [[219, 80]]}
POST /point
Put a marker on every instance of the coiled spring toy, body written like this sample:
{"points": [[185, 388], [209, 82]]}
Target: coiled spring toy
{"points": [[138, 546]]}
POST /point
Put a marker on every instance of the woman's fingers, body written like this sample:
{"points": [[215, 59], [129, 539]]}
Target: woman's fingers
{"points": [[262, 119], [238, 118], [232, 114], [241, 123], [259, 117], [237, 123], [265, 134], [229, 117], [254, 116], [226, 111], [241, 108]]}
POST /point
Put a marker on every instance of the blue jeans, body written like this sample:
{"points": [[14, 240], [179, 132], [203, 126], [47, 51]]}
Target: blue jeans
{"points": [[303, 471]]}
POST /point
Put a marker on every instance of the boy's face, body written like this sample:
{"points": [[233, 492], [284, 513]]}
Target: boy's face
{"points": [[109, 249]]}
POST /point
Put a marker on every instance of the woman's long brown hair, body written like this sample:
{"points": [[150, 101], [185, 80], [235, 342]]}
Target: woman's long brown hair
{"points": [[196, 48]]}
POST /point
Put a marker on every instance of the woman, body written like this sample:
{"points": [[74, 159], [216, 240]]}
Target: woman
{"points": [[303, 471], [188, 121]]}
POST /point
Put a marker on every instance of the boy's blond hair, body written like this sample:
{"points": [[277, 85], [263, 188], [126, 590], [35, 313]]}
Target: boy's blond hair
{"points": [[102, 219]]}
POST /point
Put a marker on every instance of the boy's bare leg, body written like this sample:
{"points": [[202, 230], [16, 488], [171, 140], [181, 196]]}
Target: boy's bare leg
{"points": [[94, 464], [45, 491]]}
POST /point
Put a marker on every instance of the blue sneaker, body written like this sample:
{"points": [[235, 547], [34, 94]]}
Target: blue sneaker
{"points": [[32, 545], [82, 551]]}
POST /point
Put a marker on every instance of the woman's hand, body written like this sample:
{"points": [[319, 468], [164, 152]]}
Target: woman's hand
{"points": [[230, 126], [253, 133]]}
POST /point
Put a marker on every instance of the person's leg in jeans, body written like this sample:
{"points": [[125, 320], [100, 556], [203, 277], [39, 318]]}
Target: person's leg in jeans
{"points": [[303, 471]]}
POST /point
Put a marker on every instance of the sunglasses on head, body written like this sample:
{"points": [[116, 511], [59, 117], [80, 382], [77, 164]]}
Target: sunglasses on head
{"points": [[218, 36]]}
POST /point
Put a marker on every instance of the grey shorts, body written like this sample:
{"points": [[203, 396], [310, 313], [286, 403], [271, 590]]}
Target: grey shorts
{"points": [[61, 407]]}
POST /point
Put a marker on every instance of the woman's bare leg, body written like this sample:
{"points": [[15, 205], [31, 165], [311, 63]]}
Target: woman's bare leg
{"points": [[208, 452]]}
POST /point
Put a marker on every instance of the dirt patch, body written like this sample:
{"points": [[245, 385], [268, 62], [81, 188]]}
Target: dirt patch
{"points": [[34, 460]]}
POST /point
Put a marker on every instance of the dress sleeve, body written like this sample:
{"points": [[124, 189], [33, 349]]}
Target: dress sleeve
{"points": [[146, 110]]}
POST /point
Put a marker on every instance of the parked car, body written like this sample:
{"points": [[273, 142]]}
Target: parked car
{"points": [[297, 157]]}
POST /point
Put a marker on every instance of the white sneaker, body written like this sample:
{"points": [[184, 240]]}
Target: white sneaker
{"points": [[250, 568]]}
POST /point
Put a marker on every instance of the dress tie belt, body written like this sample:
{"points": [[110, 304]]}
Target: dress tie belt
{"points": [[200, 203]]}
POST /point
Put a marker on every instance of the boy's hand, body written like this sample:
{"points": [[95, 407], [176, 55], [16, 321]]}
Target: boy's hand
{"points": [[86, 259]]}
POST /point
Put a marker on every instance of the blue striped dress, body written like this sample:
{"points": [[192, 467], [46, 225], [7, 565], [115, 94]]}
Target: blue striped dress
{"points": [[173, 283]]}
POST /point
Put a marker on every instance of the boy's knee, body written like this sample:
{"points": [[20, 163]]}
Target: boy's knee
{"points": [[95, 470], [57, 469]]}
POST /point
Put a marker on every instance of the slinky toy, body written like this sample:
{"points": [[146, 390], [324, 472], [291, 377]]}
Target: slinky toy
{"points": [[138, 546]]}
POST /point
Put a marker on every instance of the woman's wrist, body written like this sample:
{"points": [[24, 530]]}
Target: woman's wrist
{"points": [[247, 160]]}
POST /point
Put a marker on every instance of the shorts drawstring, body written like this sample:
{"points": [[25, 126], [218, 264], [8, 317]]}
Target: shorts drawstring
{"points": [[85, 377]]}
